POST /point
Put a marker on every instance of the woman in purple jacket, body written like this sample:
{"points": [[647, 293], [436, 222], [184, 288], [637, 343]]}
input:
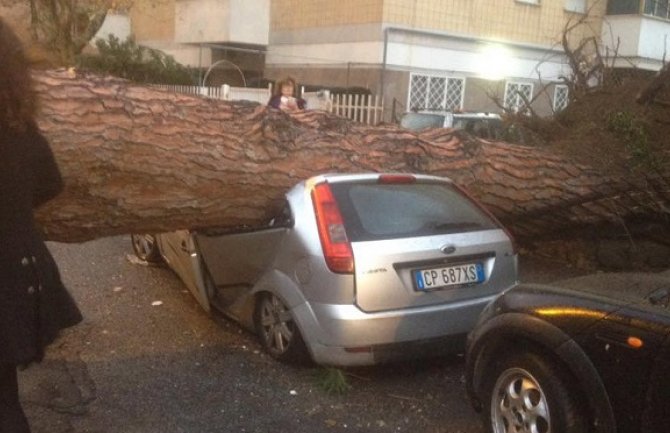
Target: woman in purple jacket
{"points": [[284, 97]]}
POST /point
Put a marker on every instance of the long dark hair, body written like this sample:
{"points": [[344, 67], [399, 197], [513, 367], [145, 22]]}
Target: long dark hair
{"points": [[18, 103]]}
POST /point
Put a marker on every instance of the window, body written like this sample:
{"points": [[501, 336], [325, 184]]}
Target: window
{"points": [[515, 93], [657, 8], [435, 93], [560, 97], [373, 211], [623, 7], [577, 6]]}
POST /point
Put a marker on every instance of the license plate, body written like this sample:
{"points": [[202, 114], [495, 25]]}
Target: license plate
{"points": [[437, 278]]}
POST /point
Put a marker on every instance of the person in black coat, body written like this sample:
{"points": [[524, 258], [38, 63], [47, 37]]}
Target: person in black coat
{"points": [[34, 304]]}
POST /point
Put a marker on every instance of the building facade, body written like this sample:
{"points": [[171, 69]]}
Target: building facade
{"points": [[471, 55], [637, 33], [230, 35], [433, 54]]}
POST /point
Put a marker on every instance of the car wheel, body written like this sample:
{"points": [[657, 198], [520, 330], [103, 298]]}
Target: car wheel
{"points": [[277, 331], [528, 393], [146, 248]]}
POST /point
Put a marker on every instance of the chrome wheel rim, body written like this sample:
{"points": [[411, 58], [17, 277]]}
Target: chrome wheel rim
{"points": [[144, 245], [276, 324], [518, 404]]}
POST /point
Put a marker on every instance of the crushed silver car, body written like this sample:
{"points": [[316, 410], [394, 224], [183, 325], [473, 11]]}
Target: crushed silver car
{"points": [[355, 270]]}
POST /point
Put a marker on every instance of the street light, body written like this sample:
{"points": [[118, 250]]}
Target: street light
{"points": [[494, 62]]}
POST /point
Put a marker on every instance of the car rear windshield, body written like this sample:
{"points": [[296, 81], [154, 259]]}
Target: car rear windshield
{"points": [[373, 211]]}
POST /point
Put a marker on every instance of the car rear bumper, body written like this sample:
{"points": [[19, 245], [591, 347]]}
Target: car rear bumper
{"points": [[345, 335]]}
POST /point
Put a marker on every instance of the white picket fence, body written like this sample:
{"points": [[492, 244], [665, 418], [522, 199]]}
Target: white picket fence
{"points": [[225, 92], [367, 109]]}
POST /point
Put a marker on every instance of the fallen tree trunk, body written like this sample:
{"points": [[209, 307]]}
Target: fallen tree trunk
{"points": [[136, 159]]}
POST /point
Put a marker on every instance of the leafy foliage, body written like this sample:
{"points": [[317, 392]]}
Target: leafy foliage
{"points": [[127, 59], [634, 134], [332, 380]]}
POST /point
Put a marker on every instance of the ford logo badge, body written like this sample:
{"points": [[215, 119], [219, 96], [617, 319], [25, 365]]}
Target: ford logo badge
{"points": [[448, 249]]}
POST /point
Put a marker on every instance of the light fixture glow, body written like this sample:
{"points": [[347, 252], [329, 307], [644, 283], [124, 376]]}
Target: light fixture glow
{"points": [[495, 62]]}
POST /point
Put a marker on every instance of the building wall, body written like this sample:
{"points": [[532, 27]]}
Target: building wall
{"points": [[645, 45], [197, 32], [222, 21], [301, 14], [359, 77], [153, 20], [115, 24], [484, 42], [508, 20]]}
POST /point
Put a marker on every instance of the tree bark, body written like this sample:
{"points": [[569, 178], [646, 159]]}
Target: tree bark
{"points": [[137, 159]]}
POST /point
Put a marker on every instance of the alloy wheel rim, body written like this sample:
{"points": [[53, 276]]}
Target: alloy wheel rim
{"points": [[276, 324], [518, 404], [144, 245]]}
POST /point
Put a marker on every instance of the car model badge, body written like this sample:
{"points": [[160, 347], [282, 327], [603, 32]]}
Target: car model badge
{"points": [[448, 249]]}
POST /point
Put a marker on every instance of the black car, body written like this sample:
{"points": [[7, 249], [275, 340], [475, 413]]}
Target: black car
{"points": [[591, 354]]}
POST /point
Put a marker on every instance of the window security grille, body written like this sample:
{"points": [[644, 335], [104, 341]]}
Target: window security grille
{"points": [[560, 97], [515, 94], [454, 97], [657, 8], [435, 93], [418, 92]]}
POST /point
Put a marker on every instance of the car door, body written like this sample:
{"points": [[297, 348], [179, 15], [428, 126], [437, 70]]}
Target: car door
{"points": [[179, 251], [630, 369], [236, 261]]}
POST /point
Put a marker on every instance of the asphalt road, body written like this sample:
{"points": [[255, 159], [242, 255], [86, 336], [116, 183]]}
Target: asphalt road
{"points": [[148, 359]]}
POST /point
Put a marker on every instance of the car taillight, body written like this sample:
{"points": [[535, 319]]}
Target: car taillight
{"points": [[336, 246], [396, 178], [488, 213]]}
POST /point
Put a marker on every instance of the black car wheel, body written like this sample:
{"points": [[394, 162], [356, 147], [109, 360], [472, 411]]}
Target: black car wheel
{"points": [[146, 248], [277, 331], [528, 393]]}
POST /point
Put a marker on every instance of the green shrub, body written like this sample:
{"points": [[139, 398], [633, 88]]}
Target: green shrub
{"points": [[332, 380], [634, 135], [127, 59]]}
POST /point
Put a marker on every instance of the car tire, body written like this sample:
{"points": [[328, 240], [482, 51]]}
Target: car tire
{"points": [[527, 392], [277, 332], [146, 248]]}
